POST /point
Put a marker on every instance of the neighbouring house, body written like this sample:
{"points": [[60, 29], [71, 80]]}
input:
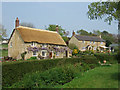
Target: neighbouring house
{"points": [[88, 42], [112, 47], [4, 41], [36, 43]]}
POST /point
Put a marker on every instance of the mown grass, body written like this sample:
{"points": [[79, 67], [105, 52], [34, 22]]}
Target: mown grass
{"points": [[4, 53], [4, 45], [100, 77]]}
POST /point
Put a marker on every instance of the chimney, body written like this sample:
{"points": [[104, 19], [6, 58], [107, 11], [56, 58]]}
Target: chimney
{"points": [[73, 33], [16, 22], [57, 28]]}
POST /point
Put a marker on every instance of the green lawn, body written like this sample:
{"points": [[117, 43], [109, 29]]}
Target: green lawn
{"points": [[4, 53], [4, 45], [100, 77]]}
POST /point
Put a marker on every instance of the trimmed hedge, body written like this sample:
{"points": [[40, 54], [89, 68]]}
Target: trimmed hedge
{"points": [[111, 58], [14, 71], [52, 77]]}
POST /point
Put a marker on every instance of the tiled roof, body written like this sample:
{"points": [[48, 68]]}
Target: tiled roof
{"points": [[89, 38], [40, 36]]}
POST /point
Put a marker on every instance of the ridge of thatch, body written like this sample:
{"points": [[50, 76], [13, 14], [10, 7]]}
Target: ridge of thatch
{"points": [[40, 36]]}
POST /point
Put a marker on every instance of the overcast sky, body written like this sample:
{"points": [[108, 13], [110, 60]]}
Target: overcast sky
{"points": [[70, 15]]}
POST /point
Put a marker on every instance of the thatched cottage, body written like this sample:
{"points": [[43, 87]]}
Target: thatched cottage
{"points": [[88, 42], [36, 43]]}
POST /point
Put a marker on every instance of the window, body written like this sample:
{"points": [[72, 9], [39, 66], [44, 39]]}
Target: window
{"points": [[101, 43], [44, 45], [83, 48], [90, 42], [33, 44], [57, 53], [34, 53], [44, 53], [83, 41], [94, 48], [10, 44]]}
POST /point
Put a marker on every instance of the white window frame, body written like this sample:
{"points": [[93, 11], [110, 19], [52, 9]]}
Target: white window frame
{"points": [[44, 52], [33, 44], [83, 48], [101, 42], [90, 42], [44, 45], [35, 54], [10, 44], [83, 41], [57, 53], [95, 48]]}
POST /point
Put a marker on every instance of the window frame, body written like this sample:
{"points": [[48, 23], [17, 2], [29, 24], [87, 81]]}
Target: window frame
{"points": [[35, 53], [11, 44], [44, 53]]}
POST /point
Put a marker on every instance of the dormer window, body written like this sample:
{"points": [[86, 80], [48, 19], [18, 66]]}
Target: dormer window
{"points": [[44, 45], [83, 41], [33, 44]]}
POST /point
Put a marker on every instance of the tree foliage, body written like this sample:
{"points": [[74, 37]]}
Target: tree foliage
{"points": [[53, 28], [27, 24], [2, 32], [82, 32], [109, 10]]}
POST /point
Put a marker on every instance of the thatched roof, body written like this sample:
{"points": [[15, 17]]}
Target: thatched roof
{"points": [[40, 36], [89, 38]]}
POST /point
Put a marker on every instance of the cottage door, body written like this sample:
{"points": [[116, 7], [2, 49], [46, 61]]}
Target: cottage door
{"points": [[66, 53], [50, 54]]}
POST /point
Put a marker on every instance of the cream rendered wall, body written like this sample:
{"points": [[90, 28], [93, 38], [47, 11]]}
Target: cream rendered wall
{"points": [[18, 46], [81, 44], [73, 40]]}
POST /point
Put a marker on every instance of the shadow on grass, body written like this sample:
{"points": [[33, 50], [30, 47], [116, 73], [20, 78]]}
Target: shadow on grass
{"points": [[116, 76]]}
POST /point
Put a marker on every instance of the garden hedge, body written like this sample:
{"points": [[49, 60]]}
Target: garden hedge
{"points": [[14, 71], [111, 58]]}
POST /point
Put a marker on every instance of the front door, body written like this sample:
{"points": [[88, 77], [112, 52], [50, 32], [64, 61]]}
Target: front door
{"points": [[50, 54], [66, 53]]}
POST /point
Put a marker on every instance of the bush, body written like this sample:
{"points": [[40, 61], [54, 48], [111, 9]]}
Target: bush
{"points": [[32, 58], [14, 71], [111, 58], [49, 78]]}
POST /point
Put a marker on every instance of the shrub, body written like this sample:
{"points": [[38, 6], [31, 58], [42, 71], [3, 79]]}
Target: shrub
{"points": [[32, 58], [49, 78], [14, 71], [111, 58], [23, 55]]}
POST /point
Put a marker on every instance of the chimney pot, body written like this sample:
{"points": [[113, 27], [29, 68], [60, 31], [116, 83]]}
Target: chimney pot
{"points": [[56, 28], [73, 33], [16, 22]]}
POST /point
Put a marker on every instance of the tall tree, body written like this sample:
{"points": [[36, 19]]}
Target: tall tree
{"points": [[53, 28], [27, 24], [82, 32], [96, 32], [111, 11], [2, 32]]}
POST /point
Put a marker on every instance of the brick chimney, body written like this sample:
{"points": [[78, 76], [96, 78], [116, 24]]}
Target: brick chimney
{"points": [[57, 28], [16, 22], [73, 33]]}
